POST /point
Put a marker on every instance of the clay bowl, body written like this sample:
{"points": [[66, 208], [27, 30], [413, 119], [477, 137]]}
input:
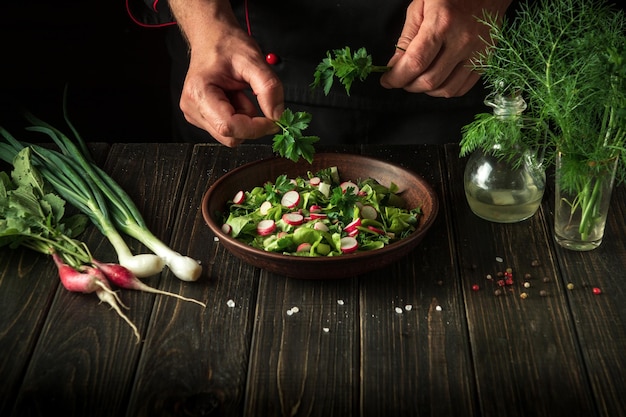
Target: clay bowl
{"points": [[414, 190]]}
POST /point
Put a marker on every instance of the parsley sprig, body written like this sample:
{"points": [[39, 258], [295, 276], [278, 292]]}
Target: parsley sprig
{"points": [[346, 66], [291, 143]]}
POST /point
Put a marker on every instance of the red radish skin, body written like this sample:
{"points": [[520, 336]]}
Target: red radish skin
{"points": [[304, 247], [354, 189], [239, 197], [290, 199], [265, 227], [352, 225], [123, 278], [294, 219], [89, 280], [349, 244], [376, 230]]}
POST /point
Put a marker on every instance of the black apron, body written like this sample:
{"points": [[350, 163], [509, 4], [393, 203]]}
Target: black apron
{"points": [[300, 33]]}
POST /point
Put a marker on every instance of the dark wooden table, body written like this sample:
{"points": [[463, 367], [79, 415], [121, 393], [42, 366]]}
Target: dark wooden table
{"points": [[347, 351]]}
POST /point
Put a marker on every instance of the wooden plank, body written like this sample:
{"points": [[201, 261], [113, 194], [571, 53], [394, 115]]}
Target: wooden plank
{"points": [[600, 320], [526, 357], [304, 361], [416, 361], [197, 359], [84, 361]]}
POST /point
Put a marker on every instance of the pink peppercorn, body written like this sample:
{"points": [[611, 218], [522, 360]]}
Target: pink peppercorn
{"points": [[597, 290], [475, 287]]}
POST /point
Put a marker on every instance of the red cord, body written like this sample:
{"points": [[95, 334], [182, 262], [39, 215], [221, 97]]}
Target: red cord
{"points": [[247, 17], [146, 25]]}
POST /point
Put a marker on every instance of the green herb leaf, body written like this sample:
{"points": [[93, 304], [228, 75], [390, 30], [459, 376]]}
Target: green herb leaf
{"points": [[347, 67], [291, 144]]}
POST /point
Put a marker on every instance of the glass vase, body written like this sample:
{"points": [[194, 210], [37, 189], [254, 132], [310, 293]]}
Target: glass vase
{"points": [[498, 191], [581, 209], [505, 185]]}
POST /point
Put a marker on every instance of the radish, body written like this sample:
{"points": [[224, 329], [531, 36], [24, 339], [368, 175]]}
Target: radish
{"points": [[290, 199], [315, 208], [265, 208], [90, 280], [352, 225], [239, 197], [376, 230], [315, 181], [304, 247], [316, 216], [349, 185], [348, 244], [369, 212], [265, 227], [294, 219], [123, 278], [353, 232], [320, 226], [227, 228]]}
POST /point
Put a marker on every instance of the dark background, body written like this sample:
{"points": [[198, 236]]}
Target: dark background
{"points": [[116, 72]]}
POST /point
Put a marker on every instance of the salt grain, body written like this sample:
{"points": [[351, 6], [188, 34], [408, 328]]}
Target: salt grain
{"points": [[326, 329], [230, 303], [408, 307], [398, 310], [499, 259], [340, 302], [438, 308]]}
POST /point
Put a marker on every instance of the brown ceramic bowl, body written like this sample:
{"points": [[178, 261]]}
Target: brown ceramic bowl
{"points": [[414, 190]]}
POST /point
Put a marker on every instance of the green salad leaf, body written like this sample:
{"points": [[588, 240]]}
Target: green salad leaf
{"points": [[327, 211]]}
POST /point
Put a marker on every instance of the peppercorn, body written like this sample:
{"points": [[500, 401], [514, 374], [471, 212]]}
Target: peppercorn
{"points": [[475, 287], [523, 295], [596, 290], [570, 286]]}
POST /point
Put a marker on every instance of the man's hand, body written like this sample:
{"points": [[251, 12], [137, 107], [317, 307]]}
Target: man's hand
{"points": [[438, 41], [225, 61]]}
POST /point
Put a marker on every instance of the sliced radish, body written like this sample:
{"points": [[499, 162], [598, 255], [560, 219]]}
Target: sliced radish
{"points": [[281, 234], [227, 228], [349, 184], [290, 199], [265, 227], [315, 208], [353, 233], [376, 230], [369, 212], [265, 208], [315, 216], [304, 247], [239, 197], [348, 244], [315, 181], [320, 226], [294, 219], [352, 225]]}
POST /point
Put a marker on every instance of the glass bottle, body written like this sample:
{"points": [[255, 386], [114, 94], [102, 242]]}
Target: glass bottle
{"points": [[496, 189]]}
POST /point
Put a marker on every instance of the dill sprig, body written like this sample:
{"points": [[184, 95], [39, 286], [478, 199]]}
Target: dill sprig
{"points": [[568, 60]]}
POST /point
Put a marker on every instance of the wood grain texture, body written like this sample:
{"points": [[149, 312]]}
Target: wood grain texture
{"points": [[346, 350], [526, 358]]}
